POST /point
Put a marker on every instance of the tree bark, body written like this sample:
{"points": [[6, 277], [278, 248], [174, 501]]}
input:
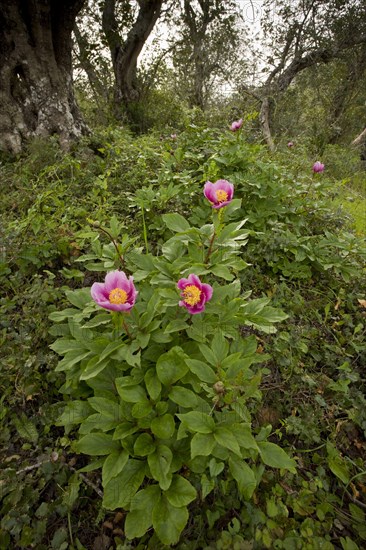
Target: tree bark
{"points": [[125, 53], [264, 119], [360, 139], [36, 90]]}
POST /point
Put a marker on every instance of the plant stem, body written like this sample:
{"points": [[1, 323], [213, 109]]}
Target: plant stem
{"points": [[144, 229], [115, 246], [126, 329], [70, 528], [210, 247]]}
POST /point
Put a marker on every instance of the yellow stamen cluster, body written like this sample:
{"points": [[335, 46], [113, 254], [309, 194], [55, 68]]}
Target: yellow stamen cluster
{"points": [[221, 195], [191, 295], [118, 296]]}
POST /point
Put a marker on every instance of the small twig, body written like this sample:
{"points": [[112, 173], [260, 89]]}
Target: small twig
{"points": [[83, 477], [32, 467], [87, 481], [356, 501]]}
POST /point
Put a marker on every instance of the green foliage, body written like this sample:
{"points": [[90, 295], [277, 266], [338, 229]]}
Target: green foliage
{"points": [[181, 384], [192, 416]]}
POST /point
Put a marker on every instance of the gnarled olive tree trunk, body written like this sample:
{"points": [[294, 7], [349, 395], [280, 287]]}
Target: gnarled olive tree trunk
{"points": [[36, 90]]}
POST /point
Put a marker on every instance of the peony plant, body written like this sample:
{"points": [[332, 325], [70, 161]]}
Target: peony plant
{"points": [[236, 125], [161, 400], [318, 167]]}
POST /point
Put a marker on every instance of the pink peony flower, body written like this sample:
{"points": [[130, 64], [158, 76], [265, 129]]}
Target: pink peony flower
{"points": [[290, 144], [318, 167], [236, 125], [117, 293], [194, 294], [219, 194]]}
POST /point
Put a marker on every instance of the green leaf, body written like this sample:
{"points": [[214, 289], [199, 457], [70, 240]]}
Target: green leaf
{"points": [[94, 367], [96, 444], [64, 345], [175, 326], [72, 358], [202, 444], [144, 445], [124, 429], [163, 426], [348, 544], [100, 319], [244, 477], [202, 370], [159, 463], [215, 467], [79, 298], [198, 422], [119, 492], [139, 519], [25, 428], [113, 465], [169, 521], [131, 394], [275, 457], [183, 397], [117, 351], [58, 316], [243, 435], [227, 439], [339, 469], [220, 347], [208, 354], [97, 422], [207, 485], [176, 223], [180, 492], [171, 366], [222, 271], [94, 465], [143, 261], [74, 413], [106, 407], [141, 409], [336, 463], [153, 384]]}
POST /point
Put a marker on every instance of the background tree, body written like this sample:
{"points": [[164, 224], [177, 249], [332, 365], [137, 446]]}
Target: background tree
{"points": [[206, 48], [36, 89], [126, 49], [304, 34]]}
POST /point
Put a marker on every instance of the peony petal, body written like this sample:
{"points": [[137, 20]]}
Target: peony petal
{"points": [[194, 280], [207, 291], [198, 308], [225, 186], [99, 293], [182, 283], [117, 307], [209, 191], [116, 279]]}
